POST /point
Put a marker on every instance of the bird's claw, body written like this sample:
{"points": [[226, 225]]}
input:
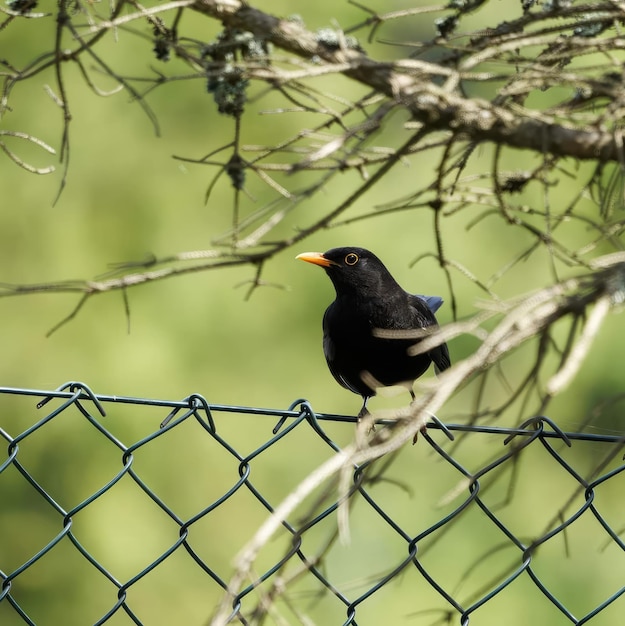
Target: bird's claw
{"points": [[423, 430], [365, 415]]}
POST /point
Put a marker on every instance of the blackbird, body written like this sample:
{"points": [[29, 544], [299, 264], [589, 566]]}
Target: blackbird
{"points": [[369, 299]]}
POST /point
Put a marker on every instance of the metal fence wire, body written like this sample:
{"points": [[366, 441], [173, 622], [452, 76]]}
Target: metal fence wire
{"points": [[106, 517]]}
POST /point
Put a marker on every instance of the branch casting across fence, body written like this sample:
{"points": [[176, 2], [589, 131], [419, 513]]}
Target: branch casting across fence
{"points": [[500, 524]]}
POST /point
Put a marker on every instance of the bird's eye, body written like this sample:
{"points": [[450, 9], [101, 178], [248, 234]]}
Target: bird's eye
{"points": [[351, 259]]}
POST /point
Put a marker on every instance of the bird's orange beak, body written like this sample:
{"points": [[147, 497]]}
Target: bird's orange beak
{"points": [[315, 257]]}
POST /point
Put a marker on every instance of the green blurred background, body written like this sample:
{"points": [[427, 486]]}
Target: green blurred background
{"points": [[126, 198]]}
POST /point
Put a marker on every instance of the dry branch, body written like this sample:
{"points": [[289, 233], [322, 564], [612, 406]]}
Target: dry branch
{"points": [[440, 108]]}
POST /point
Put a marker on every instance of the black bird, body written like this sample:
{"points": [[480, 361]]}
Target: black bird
{"points": [[369, 299]]}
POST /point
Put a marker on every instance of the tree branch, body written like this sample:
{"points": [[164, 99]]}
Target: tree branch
{"points": [[441, 108]]}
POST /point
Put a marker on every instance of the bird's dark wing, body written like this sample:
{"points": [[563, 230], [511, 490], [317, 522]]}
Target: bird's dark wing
{"points": [[426, 306], [440, 356]]}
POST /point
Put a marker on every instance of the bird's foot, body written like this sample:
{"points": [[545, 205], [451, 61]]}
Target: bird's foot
{"points": [[363, 416], [423, 430]]}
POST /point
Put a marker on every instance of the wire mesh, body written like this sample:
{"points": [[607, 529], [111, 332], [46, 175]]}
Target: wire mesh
{"points": [[522, 523]]}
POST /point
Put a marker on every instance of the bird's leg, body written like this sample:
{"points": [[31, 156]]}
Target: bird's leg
{"points": [[364, 412], [423, 428]]}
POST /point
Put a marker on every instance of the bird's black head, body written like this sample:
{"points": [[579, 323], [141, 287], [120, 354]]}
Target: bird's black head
{"points": [[353, 271]]}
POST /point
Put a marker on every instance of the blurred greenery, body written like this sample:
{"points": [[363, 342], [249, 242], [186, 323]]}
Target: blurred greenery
{"points": [[126, 198]]}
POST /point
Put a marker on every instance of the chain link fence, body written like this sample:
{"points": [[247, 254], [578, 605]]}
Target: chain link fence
{"points": [[109, 518]]}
